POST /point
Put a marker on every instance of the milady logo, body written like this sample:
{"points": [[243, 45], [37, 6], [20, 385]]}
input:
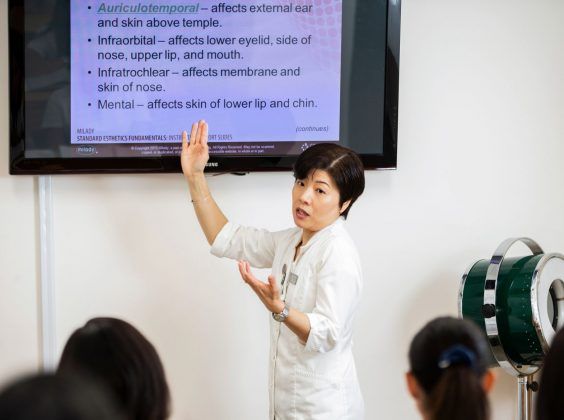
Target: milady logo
{"points": [[86, 150], [212, 164]]}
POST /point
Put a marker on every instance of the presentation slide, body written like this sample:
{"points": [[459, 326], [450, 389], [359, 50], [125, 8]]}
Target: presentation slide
{"points": [[258, 71]]}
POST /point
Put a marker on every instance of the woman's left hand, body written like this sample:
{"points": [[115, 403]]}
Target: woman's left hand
{"points": [[268, 293]]}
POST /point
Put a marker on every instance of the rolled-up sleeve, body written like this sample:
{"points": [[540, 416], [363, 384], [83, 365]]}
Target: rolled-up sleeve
{"points": [[257, 246], [339, 286]]}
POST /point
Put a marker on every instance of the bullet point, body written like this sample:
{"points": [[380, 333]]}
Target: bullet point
{"points": [[89, 7], [89, 104], [89, 40], [89, 72]]}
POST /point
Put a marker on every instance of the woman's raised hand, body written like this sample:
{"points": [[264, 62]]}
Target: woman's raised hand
{"points": [[195, 152], [268, 293]]}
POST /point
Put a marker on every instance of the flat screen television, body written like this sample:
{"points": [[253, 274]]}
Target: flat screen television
{"points": [[108, 86]]}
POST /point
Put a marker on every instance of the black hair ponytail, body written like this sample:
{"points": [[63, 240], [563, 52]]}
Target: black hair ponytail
{"points": [[458, 396], [448, 360]]}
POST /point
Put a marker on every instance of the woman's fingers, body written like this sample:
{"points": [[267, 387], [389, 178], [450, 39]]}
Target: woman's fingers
{"points": [[242, 270], [268, 293], [184, 140], [249, 277], [255, 283], [202, 134], [193, 134], [194, 154], [204, 138], [184, 155], [245, 270], [241, 266]]}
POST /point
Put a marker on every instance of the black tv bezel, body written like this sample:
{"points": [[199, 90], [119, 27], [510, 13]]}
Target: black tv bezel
{"points": [[20, 165]]}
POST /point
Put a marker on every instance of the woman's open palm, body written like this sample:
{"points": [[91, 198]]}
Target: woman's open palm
{"points": [[268, 293], [195, 153]]}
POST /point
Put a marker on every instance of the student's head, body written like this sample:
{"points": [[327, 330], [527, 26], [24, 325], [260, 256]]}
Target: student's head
{"points": [[329, 179], [117, 355], [448, 376], [50, 397], [551, 392]]}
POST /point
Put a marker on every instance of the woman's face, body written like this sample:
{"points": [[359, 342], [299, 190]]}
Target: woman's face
{"points": [[315, 202]]}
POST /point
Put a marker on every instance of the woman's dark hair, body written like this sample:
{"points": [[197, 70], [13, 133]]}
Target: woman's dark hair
{"points": [[117, 355], [50, 397], [448, 358], [551, 391], [342, 164]]}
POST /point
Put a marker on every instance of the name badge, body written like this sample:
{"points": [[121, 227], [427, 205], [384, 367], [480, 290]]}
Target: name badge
{"points": [[283, 274], [293, 278]]}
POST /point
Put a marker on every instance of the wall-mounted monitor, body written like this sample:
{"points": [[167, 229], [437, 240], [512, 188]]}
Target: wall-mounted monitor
{"points": [[108, 86]]}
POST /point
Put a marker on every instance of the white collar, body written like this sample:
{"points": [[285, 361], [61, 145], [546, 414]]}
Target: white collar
{"points": [[322, 232]]}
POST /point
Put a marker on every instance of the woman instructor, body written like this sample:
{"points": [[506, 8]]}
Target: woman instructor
{"points": [[316, 281]]}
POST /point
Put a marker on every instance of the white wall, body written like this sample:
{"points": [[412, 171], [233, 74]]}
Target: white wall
{"points": [[481, 145]]}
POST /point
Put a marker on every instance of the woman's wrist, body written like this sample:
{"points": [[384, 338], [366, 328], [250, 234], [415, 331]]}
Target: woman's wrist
{"points": [[198, 187], [200, 199], [193, 176], [278, 306]]}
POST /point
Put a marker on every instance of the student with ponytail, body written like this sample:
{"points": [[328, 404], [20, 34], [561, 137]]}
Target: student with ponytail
{"points": [[551, 391], [449, 377]]}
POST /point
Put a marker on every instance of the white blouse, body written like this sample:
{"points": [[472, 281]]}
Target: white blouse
{"points": [[315, 380]]}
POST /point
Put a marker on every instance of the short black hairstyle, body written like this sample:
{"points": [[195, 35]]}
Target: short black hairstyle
{"points": [[56, 397], [551, 390], [341, 163], [114, 353]]}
